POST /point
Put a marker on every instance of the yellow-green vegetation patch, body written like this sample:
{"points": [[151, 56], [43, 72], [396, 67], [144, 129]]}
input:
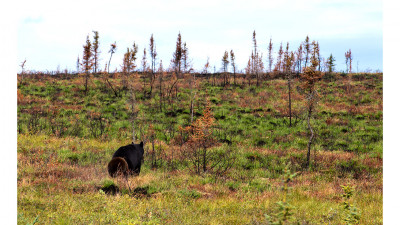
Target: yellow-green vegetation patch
{"points": [[240, 175]]}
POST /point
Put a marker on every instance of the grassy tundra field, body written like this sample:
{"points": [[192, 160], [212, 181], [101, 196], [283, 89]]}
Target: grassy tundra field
{"points": [[249, 169]]}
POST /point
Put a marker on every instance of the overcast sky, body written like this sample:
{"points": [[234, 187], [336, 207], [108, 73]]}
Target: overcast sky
{"points": [[52, 33]]}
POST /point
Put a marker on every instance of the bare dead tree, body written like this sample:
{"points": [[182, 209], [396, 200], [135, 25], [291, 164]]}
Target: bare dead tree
{"points": [[185, 59], [270, 57], [160, 77], [205, 69], [233, 66], [288, 62], [192, 95], [248, 70], [306, 50], [22, 71], [278, 64], [225, 63], [77, 65], [299, 57], [112, 51], [349, 59], [153, 56]]}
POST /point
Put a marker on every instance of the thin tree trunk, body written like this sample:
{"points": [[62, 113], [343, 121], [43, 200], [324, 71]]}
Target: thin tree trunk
{"points": [[311, 137], [290, 102], [86, 82], [204, 160], [133, 114], [116, 94], [170, 94], [257, 77], [192, 96], [191, 111], [144, 85], [153, 157], [151, 84], [108, 69], [22, 78], [299, 67], [160, 92]]}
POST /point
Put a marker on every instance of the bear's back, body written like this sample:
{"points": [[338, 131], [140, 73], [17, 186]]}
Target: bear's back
{"points": [[133, 154]]}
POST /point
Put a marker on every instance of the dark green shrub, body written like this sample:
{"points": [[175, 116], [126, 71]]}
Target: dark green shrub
{"points": [[232, 185], [190, 193]]}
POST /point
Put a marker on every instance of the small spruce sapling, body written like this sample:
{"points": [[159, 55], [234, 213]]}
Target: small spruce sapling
{"points": [[352, 214], [284, 210]]}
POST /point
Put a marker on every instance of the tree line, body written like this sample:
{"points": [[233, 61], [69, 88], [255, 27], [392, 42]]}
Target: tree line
{"points": [[181, 63]]}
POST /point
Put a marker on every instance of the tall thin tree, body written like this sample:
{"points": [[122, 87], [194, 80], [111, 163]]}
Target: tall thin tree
{"points": [[177, 56], [254, 57], [153, 56], [144, 61], [77, 65], [306, 50], [256, 60], [144, 73], [153, 53], [270, 57], [160, 77], [310, 77], [185, 59], [23, 70], [299, 57], [278, 64], [233, 66], [87, 61], [288, 62], [129, 63], [225, 63], [248, 71], [95, 51], [205, 69], [318, 58], [349, 59]]}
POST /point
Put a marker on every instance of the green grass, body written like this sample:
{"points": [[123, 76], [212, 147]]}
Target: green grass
{"points": [[62, 155]]}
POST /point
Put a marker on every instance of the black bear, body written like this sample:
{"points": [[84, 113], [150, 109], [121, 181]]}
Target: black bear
{"points": [[127, 159]]}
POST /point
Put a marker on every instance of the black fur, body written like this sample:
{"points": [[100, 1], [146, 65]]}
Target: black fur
{"points": [[133, 155]]}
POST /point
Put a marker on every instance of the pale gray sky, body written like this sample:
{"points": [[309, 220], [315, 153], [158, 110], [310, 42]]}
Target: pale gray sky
{"points": [[52, 33]]}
